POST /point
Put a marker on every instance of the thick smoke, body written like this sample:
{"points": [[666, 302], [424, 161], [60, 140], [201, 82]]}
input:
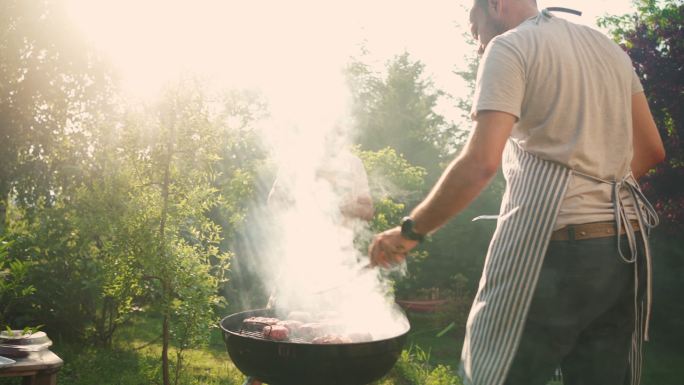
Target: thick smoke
{"points": [[307, 257]]}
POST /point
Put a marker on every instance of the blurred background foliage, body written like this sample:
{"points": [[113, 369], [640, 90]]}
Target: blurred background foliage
{"points": [[112, 211]]}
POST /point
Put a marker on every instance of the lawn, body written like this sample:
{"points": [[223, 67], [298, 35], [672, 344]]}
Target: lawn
{"points": [[427, 359], [134, 360]]}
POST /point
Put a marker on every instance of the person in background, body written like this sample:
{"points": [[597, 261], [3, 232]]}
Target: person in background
{"points": [[341, 178], [347, 177], [566, 281], [343, 172]]}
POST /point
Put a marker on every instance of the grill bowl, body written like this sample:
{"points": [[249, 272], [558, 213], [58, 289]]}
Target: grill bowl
{"points": [[295, 363]]}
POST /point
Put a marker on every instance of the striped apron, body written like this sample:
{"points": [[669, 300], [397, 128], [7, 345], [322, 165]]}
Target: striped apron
{"points": [[535, 189]]}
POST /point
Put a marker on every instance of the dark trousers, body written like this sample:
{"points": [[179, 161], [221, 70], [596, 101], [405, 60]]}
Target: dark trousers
{"points": [[581, 317]]}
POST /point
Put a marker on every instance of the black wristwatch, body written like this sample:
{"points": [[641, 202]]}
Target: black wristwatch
{"points": [[407, 230]]}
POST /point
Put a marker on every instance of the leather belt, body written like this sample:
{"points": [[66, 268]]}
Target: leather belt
{"points": [[589, 231]]}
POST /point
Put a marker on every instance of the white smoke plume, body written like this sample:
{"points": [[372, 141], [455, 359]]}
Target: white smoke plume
{"points": [[305, 246]]}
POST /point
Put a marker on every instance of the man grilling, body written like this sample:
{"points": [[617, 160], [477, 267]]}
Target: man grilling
{"points": [[567, 276]]}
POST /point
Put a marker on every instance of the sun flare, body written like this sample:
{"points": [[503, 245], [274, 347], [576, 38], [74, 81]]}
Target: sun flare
{"points": [[292, 51]]}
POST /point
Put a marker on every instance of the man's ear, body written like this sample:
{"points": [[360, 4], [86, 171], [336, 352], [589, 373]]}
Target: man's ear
{"points": [[494, 6]]}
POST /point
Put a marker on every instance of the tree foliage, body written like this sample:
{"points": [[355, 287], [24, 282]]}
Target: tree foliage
{"points": [[14, 284], [110, 208], [654, 39], [53, 91], [393, 183], [398, 111]]}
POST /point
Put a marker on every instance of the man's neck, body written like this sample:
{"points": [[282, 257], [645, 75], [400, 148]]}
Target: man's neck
{"points": [[520, 13]]}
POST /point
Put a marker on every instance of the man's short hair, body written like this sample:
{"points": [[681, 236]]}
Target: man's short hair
{"points": [[483, 4]]}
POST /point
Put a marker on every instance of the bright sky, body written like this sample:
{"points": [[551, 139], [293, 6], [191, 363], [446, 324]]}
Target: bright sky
{"points": [[293, 50]]}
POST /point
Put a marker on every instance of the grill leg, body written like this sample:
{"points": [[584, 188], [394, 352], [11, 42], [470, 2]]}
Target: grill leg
{"points": [[252, 381]]}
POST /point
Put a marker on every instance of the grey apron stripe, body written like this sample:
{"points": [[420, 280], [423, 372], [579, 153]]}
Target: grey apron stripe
{"points": [[527, 268], [512, 262], [519, 187], [530, 281], [508, 227], [519, 195], [494, 249], [532, 173]]}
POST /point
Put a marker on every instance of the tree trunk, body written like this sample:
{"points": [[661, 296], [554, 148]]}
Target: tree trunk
{"points": [[179, 363], [4, 202], [165, 351], [165, 278]]}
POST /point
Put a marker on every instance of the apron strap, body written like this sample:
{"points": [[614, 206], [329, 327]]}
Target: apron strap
{"points": [[647, 218]]}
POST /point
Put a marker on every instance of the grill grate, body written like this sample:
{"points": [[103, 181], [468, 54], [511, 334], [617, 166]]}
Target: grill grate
{"points": [[260, 336]]}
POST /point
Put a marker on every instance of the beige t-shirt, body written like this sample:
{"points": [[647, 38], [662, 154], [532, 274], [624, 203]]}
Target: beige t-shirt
{"points": [[570, 88]]}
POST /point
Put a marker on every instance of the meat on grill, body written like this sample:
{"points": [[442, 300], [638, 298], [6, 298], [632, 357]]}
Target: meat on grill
{"points": [[328, 331], [311, 330], [275, 332], [332, 339], [258, 323], [291, 325]]}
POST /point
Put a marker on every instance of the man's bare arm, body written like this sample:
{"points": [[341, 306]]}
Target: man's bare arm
{"points": [[648, 146], [460, 183], [468, 174]]}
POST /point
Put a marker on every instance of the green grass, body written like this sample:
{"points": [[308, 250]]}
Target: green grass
{"points": [[135, 360], [663, 363], [427, 360], [444, 350]]}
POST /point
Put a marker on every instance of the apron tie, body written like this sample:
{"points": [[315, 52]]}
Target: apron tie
{"points": [[647, 218]]}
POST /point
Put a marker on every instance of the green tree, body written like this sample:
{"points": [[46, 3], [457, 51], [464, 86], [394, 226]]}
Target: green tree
{"points": [[52, 91], [13, 282], [393, 183], [654, 39], [398, 111], [172, 152], [57, 108]]}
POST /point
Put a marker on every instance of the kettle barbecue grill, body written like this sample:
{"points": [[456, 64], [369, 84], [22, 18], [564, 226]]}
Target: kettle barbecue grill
{"points": [[296, 362]]}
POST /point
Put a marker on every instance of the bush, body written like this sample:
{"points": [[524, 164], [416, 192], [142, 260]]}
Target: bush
{"points": [[414, 366]]}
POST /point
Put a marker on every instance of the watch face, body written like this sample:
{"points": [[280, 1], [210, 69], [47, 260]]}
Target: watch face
{"points": [[406, 225], [407, 230]]}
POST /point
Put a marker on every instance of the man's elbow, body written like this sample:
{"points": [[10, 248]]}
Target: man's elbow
{"points": [[482, 169], [660, 155], [655, 156], [489, 169], [647, 161]]}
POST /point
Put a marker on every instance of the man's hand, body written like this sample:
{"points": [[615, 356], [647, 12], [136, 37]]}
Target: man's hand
{"points": [[390, 248]]}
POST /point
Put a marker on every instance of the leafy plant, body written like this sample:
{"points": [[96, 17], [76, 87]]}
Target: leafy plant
{"points": [[13, 281], [27, 331], [654, 39], [414, 365]]}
